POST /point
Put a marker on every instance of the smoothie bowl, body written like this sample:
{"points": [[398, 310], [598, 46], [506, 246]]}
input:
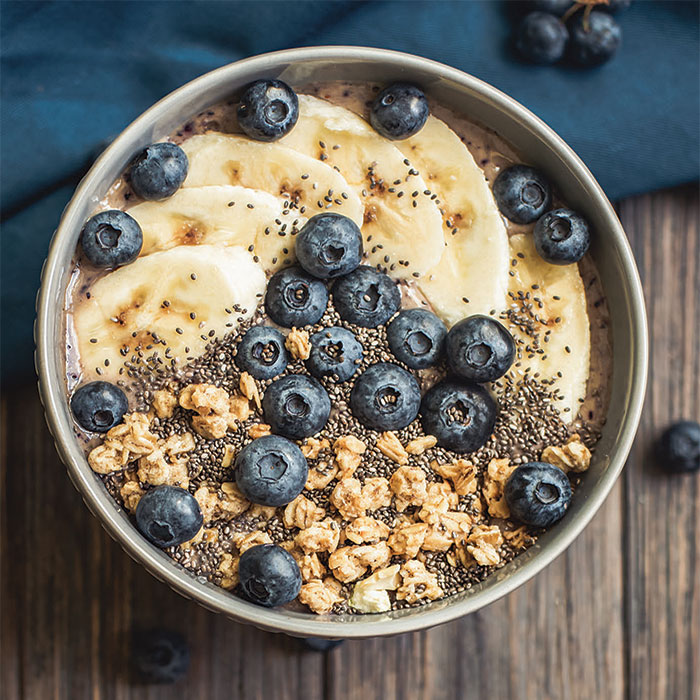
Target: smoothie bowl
{"points": [[341, 342]]}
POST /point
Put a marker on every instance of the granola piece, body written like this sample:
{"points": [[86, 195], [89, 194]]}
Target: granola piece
{"points": [[225, 506], [320, 537], [211, 427], [233, 503], [208, 502], [461, 473], [312, 447], [483, 543], [375, 556], [302, 513], [105, 459], [228, 568], [452, 527], [437, 539], [348, 454], [239, 410], [320, 596], [310, 565], [407, 538], [345, 565], [571, 456], [297, 342], [376, 493], [370, 595], [205, 399], [131, 490], [495, 479], [349, 563], [417, 583], [408, 484], [518, 538], [178, 444], [245, 540], [320, 476], [249, 389], [259, 430], [227, 459], [457, 523], [164, 403], [123, 443], [366, 529], [420, 444], [440, 499], [347, 498], [156, 470], [390, 445]]}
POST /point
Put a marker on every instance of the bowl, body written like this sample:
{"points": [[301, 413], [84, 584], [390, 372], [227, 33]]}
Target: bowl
{"points": [[539, 146]]}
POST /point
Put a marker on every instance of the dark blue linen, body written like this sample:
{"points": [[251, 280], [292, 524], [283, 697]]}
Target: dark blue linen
{"points": [[76, 73]]}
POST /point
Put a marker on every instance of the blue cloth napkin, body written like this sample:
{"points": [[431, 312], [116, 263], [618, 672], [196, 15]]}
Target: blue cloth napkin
{"points": [[76, 73]]}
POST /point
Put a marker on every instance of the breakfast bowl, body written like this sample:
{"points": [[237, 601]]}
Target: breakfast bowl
{"points": [[536, 144]]}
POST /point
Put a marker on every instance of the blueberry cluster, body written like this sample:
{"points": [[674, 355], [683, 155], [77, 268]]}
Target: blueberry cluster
{"points": [[113, 238], [524, 195], [559, 29]]}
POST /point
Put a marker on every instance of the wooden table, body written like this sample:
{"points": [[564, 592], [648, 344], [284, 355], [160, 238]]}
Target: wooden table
{"points": [[616, 616]]}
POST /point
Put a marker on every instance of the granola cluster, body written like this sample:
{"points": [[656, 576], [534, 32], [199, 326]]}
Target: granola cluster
{"points": [[362, 541]]}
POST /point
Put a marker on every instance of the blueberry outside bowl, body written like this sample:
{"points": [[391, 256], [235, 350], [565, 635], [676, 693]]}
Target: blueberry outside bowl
{"points": [[464, 94]]}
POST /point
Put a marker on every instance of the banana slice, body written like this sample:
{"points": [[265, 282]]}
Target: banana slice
{"points": [[148, 302], [474, 264], [220, 215], [405, 228], [310, 185], [560, 290]]}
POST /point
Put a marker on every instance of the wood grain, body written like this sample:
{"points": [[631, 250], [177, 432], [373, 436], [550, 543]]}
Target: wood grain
{"points": [[616, 616], [662, 526]]}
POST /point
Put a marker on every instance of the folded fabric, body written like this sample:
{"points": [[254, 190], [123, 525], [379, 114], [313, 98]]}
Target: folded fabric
{"points": [[76, 73]]}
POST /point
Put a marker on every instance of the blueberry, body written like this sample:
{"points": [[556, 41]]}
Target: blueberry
{"points": [[479, 348], [268, 110], [329, 245], [271, 471], [318, 644], [399, 111], [159, 656], [522, 194], [159, 170], [335, 352], [554, 7], [461, 415], [385, 397], [561, 236], [269, 575], [417, 338], [261, 352], [111, 239], [99, 406], [538, 494], [678, 449], [296, 406], [168, 515], [594, 38], [541, 38], [295, 298], [366, 297]]}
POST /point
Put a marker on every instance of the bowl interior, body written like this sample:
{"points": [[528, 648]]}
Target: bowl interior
{"points": [[465, 95]]}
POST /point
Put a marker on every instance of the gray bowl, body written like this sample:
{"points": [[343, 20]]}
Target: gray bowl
{"points": [[464, 94]]}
